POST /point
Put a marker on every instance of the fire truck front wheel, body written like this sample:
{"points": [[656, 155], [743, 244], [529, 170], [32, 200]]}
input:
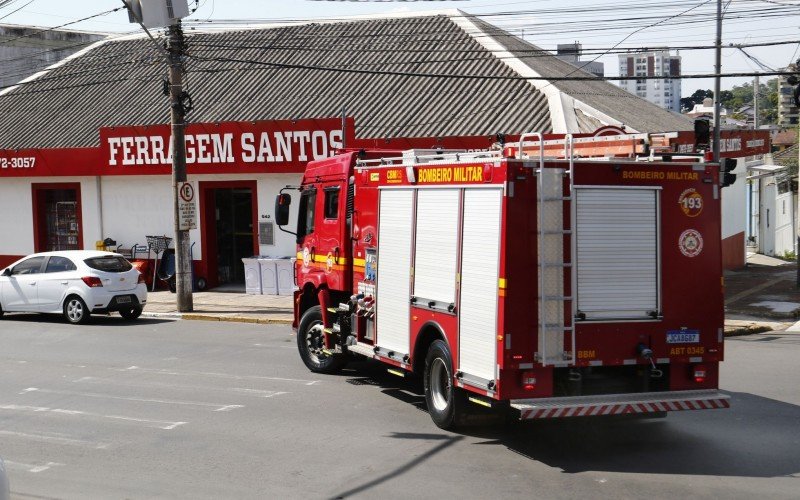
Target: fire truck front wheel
{"points": [[445, 401], [310, 343]]}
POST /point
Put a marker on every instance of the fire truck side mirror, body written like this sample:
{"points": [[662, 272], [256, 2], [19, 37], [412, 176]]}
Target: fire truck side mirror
{"points": [[282, 203], [727, 165]]}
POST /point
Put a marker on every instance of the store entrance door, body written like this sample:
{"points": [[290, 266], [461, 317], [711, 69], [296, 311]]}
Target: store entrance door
{"points": [[229, 221], [57, 217]]}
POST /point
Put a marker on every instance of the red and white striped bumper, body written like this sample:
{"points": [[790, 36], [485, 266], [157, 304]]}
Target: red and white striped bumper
{"points": [[620, 404]]}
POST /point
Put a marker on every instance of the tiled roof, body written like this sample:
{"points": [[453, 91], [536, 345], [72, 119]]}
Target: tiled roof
{"points": [[274, 74]]}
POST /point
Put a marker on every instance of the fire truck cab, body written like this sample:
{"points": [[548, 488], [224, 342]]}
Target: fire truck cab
{"points": [[552, 278]]}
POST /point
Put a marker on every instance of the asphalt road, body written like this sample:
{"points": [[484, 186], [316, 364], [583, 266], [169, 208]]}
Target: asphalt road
{"points": [[164, 409]]}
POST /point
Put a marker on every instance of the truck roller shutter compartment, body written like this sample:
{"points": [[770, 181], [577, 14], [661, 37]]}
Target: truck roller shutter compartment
{"points": [[394, 269], [618, 257]]}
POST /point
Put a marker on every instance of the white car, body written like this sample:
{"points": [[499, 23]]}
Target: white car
{"points": [[75, 283]]}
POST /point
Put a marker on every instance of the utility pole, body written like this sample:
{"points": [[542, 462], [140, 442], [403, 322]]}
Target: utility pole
{"points": [[183, 262], [718, 72], [756, 87]]}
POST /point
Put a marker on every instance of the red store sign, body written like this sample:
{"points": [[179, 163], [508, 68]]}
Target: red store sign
{"points": [[227, 147]]}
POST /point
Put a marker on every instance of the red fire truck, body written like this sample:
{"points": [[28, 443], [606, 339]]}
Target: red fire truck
{"points": [[548, 278]]}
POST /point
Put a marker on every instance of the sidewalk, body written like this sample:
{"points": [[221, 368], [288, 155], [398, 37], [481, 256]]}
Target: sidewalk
{"points": [[761, 297], [224, 306]]}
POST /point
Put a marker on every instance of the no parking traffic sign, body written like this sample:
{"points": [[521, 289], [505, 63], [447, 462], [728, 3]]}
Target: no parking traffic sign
{"points": [[187, 206]]}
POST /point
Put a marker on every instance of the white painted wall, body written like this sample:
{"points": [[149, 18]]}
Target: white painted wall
{"points": [[777, 229], [16, 212], [268, 188], [734, 203], [16, 217], [133, 207], [137, 206]]}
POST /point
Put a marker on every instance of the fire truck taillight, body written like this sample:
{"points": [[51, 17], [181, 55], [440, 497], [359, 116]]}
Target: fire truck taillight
{"points": [[699, 372], [528, 381], [92, 281]]}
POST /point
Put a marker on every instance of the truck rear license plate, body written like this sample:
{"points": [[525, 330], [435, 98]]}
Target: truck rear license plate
{"points": [[683, 337], [123, 300]]}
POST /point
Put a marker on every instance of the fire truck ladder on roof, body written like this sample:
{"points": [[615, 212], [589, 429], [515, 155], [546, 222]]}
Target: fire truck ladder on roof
{"points": [[553, 299]]}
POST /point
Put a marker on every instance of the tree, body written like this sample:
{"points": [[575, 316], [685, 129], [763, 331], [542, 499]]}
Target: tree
{"points": [[687, 103], [742, 95]]}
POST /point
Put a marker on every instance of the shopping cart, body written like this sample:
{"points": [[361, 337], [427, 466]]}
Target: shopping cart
{"points": [[157, 245]]}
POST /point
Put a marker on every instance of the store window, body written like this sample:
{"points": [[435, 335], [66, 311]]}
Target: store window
{"points": [[57, 217]]}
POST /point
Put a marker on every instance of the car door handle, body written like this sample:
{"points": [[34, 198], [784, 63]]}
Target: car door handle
{"points": [[32, 283], [65, 282]]}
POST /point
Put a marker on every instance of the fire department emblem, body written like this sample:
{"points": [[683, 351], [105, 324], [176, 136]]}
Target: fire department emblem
{"points": [[690, 243], [329, 263], [306, 257], [691, 202]]}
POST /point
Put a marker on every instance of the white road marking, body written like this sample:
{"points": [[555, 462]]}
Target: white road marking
{"points": [[229, 408], [259, 393], [218, 407], [161, 424], [56, 439], [160, 371], [31, 467]]}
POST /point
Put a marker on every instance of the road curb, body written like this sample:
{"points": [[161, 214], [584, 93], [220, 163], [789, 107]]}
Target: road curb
{"points": [[237, 319], [747, 330], [158, 315]]}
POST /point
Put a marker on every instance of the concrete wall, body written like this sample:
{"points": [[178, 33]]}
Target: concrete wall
{"points": [[734, 219], [37, 50]]}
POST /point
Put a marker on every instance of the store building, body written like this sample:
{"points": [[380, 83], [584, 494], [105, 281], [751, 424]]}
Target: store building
{"points": [[88, 154]]}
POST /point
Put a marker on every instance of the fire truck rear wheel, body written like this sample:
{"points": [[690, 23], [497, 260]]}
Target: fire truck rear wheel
{"points": [[310, 344], [445, 401]]}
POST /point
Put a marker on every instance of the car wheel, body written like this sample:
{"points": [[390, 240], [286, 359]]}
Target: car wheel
{"points": [[75, 310], [131, 314], [310, 344], [446, 403], [1, 311]]}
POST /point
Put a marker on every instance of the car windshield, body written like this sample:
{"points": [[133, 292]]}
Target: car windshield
{"points": [[109, 264]]}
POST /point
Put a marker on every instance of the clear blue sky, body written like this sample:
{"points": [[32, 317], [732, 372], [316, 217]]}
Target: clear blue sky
{"points": [[535, 18]]}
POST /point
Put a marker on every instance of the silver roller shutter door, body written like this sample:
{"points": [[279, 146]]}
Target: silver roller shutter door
{"points": [[617, 253], [480, 261], [394, 269], [436, 245]]}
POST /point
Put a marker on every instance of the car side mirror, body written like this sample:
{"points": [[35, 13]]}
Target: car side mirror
{"points": [[7, 271], [282, 203]]}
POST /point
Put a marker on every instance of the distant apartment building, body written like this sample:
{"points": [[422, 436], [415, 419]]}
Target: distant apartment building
{"points": [[665, 92], [787, 108], [26, 50], [571, 53]]}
